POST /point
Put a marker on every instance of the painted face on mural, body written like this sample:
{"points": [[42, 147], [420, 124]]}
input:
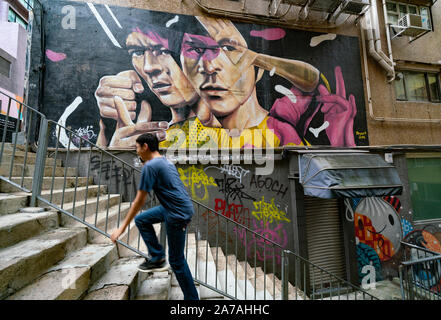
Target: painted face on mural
{"points": [[152, 60], [216, 71], [377, 224]]}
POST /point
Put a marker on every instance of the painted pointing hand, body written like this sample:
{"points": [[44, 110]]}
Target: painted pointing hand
{"points": [[339, 112], [127, 132], [125, 84]]}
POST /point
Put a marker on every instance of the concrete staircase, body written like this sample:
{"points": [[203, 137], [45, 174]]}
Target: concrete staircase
{"points": [[47, 255]]}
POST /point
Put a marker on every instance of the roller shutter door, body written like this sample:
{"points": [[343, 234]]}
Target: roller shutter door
{"points": [[325, 240]]}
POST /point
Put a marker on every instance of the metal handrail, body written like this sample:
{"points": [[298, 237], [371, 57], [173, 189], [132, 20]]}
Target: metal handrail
{"points": [[334, 278], [417, 275], [251, 240], [25, 119]]}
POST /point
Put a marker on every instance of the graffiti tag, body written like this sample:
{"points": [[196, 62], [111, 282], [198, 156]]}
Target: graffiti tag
{"points": [[268, 212], [232, 170], [198, 182], [268, 183], [232, 189]]}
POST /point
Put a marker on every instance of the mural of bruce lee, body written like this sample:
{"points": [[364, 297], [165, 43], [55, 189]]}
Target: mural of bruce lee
{"points": [[216, 90]]}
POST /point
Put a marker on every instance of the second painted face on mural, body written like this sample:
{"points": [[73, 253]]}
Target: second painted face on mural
{"points": [[215, 68], [152, 60]]}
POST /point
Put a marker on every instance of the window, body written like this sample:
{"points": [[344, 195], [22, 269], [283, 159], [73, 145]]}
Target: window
{"points": [[396, 10], [418, 86], [425, 187], [5, 67], [14, 17], [28, 4]]}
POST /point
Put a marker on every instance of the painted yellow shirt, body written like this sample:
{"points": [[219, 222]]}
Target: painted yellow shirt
{"points": [[192, 133]]}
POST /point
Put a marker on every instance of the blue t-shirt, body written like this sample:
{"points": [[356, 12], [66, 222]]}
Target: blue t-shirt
{"points": [[161, 175]]}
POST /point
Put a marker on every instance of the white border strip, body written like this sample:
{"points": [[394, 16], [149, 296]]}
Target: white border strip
{"points": [[103, 25], [113, 16]]}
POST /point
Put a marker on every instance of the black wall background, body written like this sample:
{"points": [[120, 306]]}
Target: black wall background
{"points": [[91, 55]]}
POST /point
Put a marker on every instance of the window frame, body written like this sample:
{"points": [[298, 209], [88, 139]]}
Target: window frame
{"points": [[17, 16], [9, 66], [418, 7], [28, 4], [426, 80], [417, 218]]}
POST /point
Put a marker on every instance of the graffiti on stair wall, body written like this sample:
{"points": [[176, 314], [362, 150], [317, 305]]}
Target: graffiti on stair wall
{"points": [[197, 181], [269, 184], [209, 79], [380, 226], [113, 173], [233, 189], [237, 212], [259, 203], [231, 170]]}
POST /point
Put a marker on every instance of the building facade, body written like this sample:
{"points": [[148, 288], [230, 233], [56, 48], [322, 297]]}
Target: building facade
{"points": [[290, 75], [15, 27]]}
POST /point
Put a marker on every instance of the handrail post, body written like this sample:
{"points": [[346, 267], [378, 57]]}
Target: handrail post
{"points": [[284, 264], [43, 139]]}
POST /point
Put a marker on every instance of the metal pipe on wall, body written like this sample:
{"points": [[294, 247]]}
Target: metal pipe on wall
{"points": [[389, 45], [367, 22], [377, 35], [369, 95], [265, 18]]}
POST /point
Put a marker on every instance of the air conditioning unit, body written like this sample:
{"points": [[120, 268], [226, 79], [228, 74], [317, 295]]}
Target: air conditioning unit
{"points": [[411, 25], [355, 6], [325, 5]]}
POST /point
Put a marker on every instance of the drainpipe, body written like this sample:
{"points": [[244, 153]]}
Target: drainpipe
{"points": [[375, 46], [389, 46], [377, 35]]}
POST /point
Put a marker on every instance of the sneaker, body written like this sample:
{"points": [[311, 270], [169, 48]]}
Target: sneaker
{"points": [[149, 266]]}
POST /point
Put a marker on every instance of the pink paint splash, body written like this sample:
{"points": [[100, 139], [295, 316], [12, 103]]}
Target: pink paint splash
{"points": [[154, 36], [55, 56], [269, 34], [196, 47]]}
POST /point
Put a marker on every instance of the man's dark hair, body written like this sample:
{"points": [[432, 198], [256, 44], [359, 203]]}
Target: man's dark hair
{"points": [[150, 139]]}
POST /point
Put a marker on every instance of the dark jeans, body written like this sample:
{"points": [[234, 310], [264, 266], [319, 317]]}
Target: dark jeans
{"points": [[176, 242]]}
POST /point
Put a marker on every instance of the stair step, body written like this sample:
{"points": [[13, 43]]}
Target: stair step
{"points": [[70, 279], [134, 238], [9, 146], [20, 156], [176, 292], [21, 226], [269, 283], [17, 170], [244, 284], [25, 261], [293, 292], [226, 276], [12, 203], [18, 152], [156, 287], [69, 194], [261, 293], [120, 282], [58, 183], [111, 216], [105, 201], [207, 271]]}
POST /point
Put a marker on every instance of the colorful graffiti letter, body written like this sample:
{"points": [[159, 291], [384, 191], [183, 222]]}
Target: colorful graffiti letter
{"points": [[198, 181], [268, 212]]}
